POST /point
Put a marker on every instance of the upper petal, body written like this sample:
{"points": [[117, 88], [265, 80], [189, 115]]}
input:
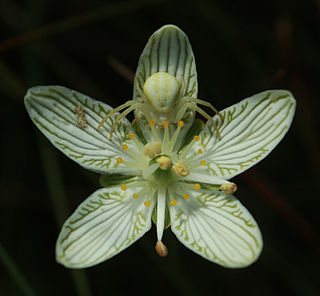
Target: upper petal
{"points": [[70, 120], [168, 50], [249, 132], [106, 223], [217, 227]]}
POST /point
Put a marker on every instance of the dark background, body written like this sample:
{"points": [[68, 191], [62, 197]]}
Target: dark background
{"points": [[241, 48]]}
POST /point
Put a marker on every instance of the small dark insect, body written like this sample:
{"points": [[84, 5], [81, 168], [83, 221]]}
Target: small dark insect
{"points": [[81, 117]]}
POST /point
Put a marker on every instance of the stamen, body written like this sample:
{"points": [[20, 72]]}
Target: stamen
{"points": [[147, 203], [135, 196], [169, 147], [124, 146], [165, 123], [131, 135], [203, 162], [152, 149], [200, 151], [154, 132], [186, 196], [161, 249], [119, 160], [186, 149], [181, 123], [197, 186], [229, 188], [173, 202], [123, 187], [196, 138], [151, 122], [181, 169], [150, 170]]}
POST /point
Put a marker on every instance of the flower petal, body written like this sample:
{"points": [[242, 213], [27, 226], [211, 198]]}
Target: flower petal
{"points": [[70, 121], [249, 132], [106, 223], [168, 50], [217, 227]]}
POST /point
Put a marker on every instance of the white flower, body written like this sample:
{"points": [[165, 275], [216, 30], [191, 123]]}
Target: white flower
{"points": [[170, 173]]}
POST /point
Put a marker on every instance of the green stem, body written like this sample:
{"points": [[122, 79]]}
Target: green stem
{"points": [[14, 272]]}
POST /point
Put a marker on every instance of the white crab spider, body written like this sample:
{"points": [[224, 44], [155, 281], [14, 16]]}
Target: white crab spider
{"points": [[162, 100]]}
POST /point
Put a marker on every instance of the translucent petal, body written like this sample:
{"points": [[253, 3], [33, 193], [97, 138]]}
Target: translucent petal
{"points": [[249, 132], [70, 121], [106, 223], [168, 50], [217, 227]]}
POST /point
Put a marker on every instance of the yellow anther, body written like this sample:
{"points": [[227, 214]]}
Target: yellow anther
{"points": [[161, 249], [181, 123], [186, 196], [197, 186], [166, 123], [119, 160], [181, 169], [124, 146], [196, 138], [147, 203], [135, 196], [151, 122], [131, 135], [203, 162], [152, 149], [164, 162], [200, 151], [123, 187], [228, 188], [173, 202]]}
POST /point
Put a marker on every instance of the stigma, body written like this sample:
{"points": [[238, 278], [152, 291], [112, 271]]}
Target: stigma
{"points": [[164, 162]]}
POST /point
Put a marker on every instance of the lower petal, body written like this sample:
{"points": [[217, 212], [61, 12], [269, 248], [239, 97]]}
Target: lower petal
{"points": [[217, 227], [106, 223]]}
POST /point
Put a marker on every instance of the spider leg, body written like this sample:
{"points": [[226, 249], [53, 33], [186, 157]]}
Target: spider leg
{"points": [[119, 108], [120, 116], [182, 111], [201, 102], [208, 117], [207, 104]]}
